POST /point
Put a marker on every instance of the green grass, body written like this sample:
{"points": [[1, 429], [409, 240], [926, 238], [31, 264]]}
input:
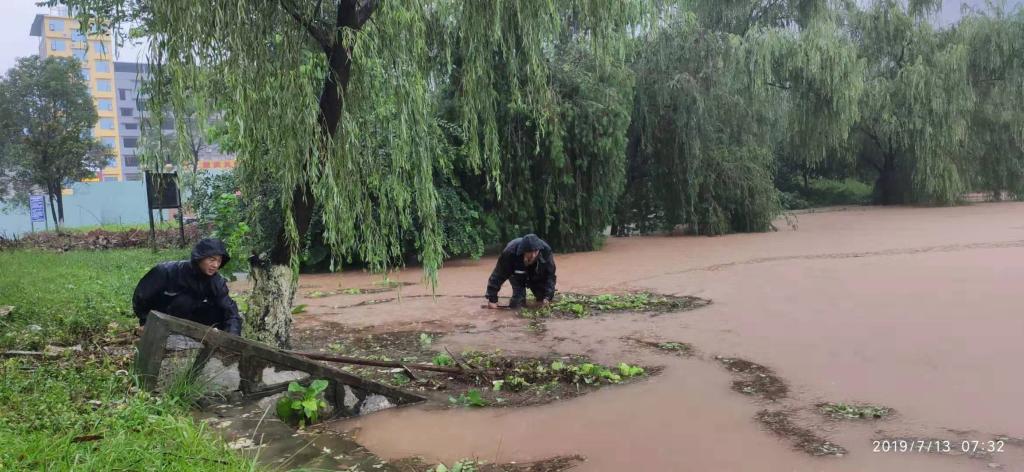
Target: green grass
{"points": [[88, 416], [84, 412], [825, 193], [66, 298], [167, 224]]}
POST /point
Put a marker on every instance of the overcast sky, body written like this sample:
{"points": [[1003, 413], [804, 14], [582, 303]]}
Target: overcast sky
{"points": [[16, 20]]}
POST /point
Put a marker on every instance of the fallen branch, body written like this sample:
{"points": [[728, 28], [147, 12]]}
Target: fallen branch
{"points": [[87, 438], [375, 363], [24, 354]]}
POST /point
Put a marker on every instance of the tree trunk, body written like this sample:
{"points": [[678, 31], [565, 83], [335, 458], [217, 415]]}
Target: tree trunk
{"points": [[269, 319], [53, 210], [887, 190], [274, 285], [60, 206]]}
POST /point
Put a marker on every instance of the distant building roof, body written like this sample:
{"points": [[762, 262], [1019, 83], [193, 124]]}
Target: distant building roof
{"points": [[37, 26], [133, 67]]}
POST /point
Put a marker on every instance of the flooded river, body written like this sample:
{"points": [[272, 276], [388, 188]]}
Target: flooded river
{"points": [[919, 310]]}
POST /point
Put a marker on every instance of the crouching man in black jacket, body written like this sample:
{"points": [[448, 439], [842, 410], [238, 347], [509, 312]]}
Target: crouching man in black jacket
{"points": [[526, 262], [190, 289]]}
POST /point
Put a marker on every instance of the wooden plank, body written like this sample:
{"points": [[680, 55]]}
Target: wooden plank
{"points": [[271, 355], [151, 349]]}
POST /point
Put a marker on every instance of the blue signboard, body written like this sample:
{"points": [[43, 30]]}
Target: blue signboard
{"points": [[37, 207]]}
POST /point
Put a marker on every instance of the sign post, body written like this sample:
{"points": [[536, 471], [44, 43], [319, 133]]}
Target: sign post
{"points": [[37, 208], [162, 192]]}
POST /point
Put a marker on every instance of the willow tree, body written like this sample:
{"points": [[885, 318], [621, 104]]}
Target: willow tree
{"points": [[701, 155], [820, 79], [563, 173], [333, 106], [995, 145], [915, 104]]}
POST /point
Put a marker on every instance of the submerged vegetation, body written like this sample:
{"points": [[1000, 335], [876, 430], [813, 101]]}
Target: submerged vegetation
{"points": [[574, 305]]}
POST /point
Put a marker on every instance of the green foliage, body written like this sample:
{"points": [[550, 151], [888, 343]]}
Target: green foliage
{"points": [[580, 306], [229, 225], [208, 188], [46, 128], [823, 193], [472, 398], [426, 340], [525, 375], [914, 105], [47, 406], [462, 222], [567, 165], [671, 346], [443, 360], [701, 142], [302, 405], [994, 39], [71, 297], [360, 140]]}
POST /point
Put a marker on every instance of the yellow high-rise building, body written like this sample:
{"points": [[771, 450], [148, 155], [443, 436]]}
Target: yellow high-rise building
{"points": [[59, 36]]}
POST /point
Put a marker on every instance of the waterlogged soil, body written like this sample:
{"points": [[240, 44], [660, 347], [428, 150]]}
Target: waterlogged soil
{"points": [[755, 379], [484, 369], [915, 309]]}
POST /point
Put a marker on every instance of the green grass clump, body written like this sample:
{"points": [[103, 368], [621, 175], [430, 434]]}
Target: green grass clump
{"points": [[71, 297], [853, 412], [89, 416], [581, 306]]}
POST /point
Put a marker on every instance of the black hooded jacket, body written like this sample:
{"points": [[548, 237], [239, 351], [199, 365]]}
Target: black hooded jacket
{"points": [[510, 266], [180, 289]]}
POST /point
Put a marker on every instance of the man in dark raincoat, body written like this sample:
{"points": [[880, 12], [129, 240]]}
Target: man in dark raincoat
{"points": [[190, 289], [527, 263]]}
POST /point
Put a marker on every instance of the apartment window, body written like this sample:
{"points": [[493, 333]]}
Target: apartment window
{"points": [[56, 25], [108, 142], [130, 142], [77, 36], [105, 104], [127, 111], [103, 85], [99, 46], [122, 94], [85, 74], [102, 66], [57, 45], [131, 160], [110, 178], [79, 53], [133, 177], [106, 123], [131, 126]]}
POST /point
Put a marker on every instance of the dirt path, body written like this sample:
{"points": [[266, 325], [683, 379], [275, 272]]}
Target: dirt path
{"points": [[913, 309]]}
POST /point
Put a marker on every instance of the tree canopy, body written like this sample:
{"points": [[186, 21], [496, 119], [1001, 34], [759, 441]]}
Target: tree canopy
{"points": [[368, 130], [48, 120]]}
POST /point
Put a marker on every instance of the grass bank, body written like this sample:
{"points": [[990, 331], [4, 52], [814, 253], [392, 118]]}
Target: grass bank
{"points": [[82, 411]]}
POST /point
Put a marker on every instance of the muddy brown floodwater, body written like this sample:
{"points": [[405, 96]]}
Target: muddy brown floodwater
{"points": [[918, 310]]}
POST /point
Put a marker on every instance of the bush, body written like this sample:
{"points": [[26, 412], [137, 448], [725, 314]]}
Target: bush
{"points": [[838, 192]]}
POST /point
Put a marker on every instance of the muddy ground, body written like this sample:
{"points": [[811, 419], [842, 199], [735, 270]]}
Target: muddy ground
{"points": [[916, 310]]}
